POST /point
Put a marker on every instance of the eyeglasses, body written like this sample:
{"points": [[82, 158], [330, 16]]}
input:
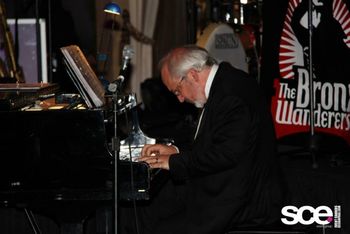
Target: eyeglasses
{"points": [[178, 86]]}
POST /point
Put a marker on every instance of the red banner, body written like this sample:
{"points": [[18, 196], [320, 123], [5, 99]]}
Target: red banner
{"points": [[330, 59]]}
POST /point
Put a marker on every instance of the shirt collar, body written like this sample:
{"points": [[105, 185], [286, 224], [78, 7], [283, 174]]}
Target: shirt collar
{"points": [[209, 82]]}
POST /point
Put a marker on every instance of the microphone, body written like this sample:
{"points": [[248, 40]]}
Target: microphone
{"points": [[116, 84], [128, 52], [113, 86]]}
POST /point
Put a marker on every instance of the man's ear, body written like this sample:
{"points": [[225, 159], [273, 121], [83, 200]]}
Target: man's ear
{"points": [[194, 75]]}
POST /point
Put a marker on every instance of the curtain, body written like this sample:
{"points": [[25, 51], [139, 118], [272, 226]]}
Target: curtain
{"points": [[171, 28], [143, 15]]}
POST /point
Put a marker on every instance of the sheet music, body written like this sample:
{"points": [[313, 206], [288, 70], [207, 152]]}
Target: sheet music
{"points": [[83, 77]]}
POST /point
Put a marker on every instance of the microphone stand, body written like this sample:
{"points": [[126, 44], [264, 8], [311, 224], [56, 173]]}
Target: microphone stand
{"points": [[313, 140], [115, 88], [116, 149]]}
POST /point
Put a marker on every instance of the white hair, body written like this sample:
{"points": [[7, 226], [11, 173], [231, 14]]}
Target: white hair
{"points": [[180, 60]]}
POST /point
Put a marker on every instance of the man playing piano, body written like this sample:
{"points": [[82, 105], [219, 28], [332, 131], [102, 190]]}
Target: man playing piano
{"points": [[230, 173]]}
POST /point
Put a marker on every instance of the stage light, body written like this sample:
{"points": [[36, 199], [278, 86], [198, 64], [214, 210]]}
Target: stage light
{"points": [[111, 11], [113, 8]]}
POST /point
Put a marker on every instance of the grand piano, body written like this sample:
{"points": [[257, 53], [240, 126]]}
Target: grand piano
{"points": [[57, 158]]}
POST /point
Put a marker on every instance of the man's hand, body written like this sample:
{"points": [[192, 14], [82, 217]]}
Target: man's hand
{"points": [[157, 156]]}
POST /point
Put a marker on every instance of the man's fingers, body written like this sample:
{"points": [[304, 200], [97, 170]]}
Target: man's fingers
{"points": [[159, 161], [151, 150], [151, 160], [146, 150]]}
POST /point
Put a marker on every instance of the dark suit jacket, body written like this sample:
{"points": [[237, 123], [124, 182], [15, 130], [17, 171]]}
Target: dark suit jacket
{"points": [[230, 172]]}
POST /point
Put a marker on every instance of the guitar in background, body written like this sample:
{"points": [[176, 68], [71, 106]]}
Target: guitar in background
{"points": [[10, 71]]}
